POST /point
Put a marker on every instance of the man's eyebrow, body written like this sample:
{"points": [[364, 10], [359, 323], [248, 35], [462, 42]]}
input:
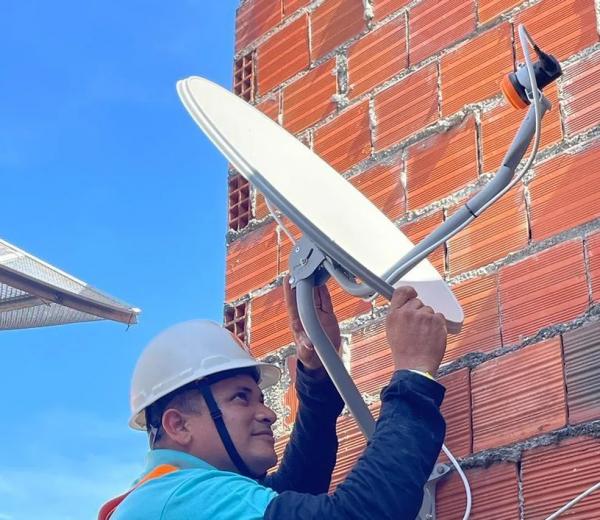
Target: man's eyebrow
{"points": [[249, 390]]}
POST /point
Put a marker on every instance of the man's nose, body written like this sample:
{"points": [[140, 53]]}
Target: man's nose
{"points": [[266, 415]]}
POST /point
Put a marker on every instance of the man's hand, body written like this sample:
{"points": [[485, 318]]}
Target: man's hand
{"points": [[415, 333], [305, 349]]}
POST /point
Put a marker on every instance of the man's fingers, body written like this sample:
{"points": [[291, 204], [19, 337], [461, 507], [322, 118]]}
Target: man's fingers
{"points": [[290, 301], [323, 299], [428, 309], [414, 304], [303, 341], [442, 319], [402, 295]]}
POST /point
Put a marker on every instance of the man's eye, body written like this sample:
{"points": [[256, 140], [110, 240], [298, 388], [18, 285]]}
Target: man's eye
{"points": [[242, 396]]}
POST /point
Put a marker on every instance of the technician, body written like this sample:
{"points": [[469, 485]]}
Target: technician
{"points": [[198, 393]]}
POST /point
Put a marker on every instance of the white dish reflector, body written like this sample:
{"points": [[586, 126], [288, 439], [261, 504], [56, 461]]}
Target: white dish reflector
{"points": [[298, 181]]}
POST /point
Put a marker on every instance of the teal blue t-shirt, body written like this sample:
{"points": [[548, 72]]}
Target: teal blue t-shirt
{"points": [[197, 491]]}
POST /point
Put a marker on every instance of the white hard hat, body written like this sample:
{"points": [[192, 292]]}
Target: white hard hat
{"points": [[187, 352]]}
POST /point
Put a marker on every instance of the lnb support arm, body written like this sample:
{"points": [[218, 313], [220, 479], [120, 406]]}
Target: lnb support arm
{"points": [[490, 193]]}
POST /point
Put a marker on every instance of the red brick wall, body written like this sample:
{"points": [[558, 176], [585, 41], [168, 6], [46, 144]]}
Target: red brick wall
{"points": [[402, 98]]}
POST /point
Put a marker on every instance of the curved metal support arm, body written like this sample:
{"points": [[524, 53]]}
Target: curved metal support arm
{"points": [[352, 287], [477, 204], [329, 357]]}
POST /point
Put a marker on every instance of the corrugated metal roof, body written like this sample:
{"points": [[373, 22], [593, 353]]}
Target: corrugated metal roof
{"points": [[36, 294]]}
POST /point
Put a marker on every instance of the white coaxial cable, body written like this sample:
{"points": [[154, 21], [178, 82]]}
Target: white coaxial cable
{"points": [[279, 221], [463, 478]]}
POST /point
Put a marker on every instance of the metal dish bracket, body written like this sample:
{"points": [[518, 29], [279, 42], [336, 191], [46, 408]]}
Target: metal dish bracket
{"points": [[307, 272]]}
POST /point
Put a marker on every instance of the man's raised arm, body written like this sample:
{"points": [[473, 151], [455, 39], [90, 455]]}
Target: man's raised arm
{"points": [[310, 455]]}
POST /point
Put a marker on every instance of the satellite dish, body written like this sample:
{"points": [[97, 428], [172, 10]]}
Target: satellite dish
{"points": [[343, 228], [347, 227]]}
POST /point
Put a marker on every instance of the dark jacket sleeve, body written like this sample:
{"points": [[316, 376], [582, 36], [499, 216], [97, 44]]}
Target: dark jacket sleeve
{"points": [[310, 455], [387, 481]]}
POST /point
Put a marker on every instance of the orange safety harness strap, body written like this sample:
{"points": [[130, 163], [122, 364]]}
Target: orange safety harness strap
{"points": [[109, 508]]}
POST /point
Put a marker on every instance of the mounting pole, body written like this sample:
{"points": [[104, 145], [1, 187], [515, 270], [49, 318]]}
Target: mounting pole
{"points": [[305, 265]]}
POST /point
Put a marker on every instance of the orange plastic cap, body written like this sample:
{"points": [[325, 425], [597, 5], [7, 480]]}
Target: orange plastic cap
{"points": [[511, 94]]}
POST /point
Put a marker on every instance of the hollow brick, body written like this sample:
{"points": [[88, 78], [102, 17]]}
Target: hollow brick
{"points": [[406, 107], [441, 164], [437, 24], [333, 23], [565, 192], [472, 72], [554, 475], [310, 98], [518, 396], [544, 289], [346, 140], [377, 57], [251, 262], [283, 55], [581, 86]]}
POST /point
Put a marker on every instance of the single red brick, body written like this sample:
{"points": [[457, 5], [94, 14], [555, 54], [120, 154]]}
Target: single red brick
{"points": [[544, 289], [269, 326], [473, 72], [382, 185], [346, 140], [251, 262], [290, 398], [581, 86], [494, 491], [565, 192], [283, 55], [481, 328], [291, 6], [285, 244], [333, 23], [490, 9], [407, 107], [345, 305], [372, 364], [456, 409], [376, 57], [554, 475], [500, 230], [441, 164], [255, 18], [518, 396], [437, 24], [499, 126], [310, 98], [559, 28], [270, 107], [419, 229], [384, 8], [593, 250], [582, 372]]}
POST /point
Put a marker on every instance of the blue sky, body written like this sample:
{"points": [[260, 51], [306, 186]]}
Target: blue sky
{"points": [[104, 175]]}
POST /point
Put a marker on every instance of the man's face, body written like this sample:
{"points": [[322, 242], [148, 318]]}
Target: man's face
{"points": [[248, 422]]}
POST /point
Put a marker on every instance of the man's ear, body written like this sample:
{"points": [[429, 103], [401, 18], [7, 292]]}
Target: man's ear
{"points": [[175, 425]]}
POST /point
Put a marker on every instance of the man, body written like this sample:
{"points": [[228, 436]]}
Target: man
{"points": [[198, 394]]}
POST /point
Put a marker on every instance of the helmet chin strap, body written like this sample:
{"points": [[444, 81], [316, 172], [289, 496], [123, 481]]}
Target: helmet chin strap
{"points": [[217, 417]]}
